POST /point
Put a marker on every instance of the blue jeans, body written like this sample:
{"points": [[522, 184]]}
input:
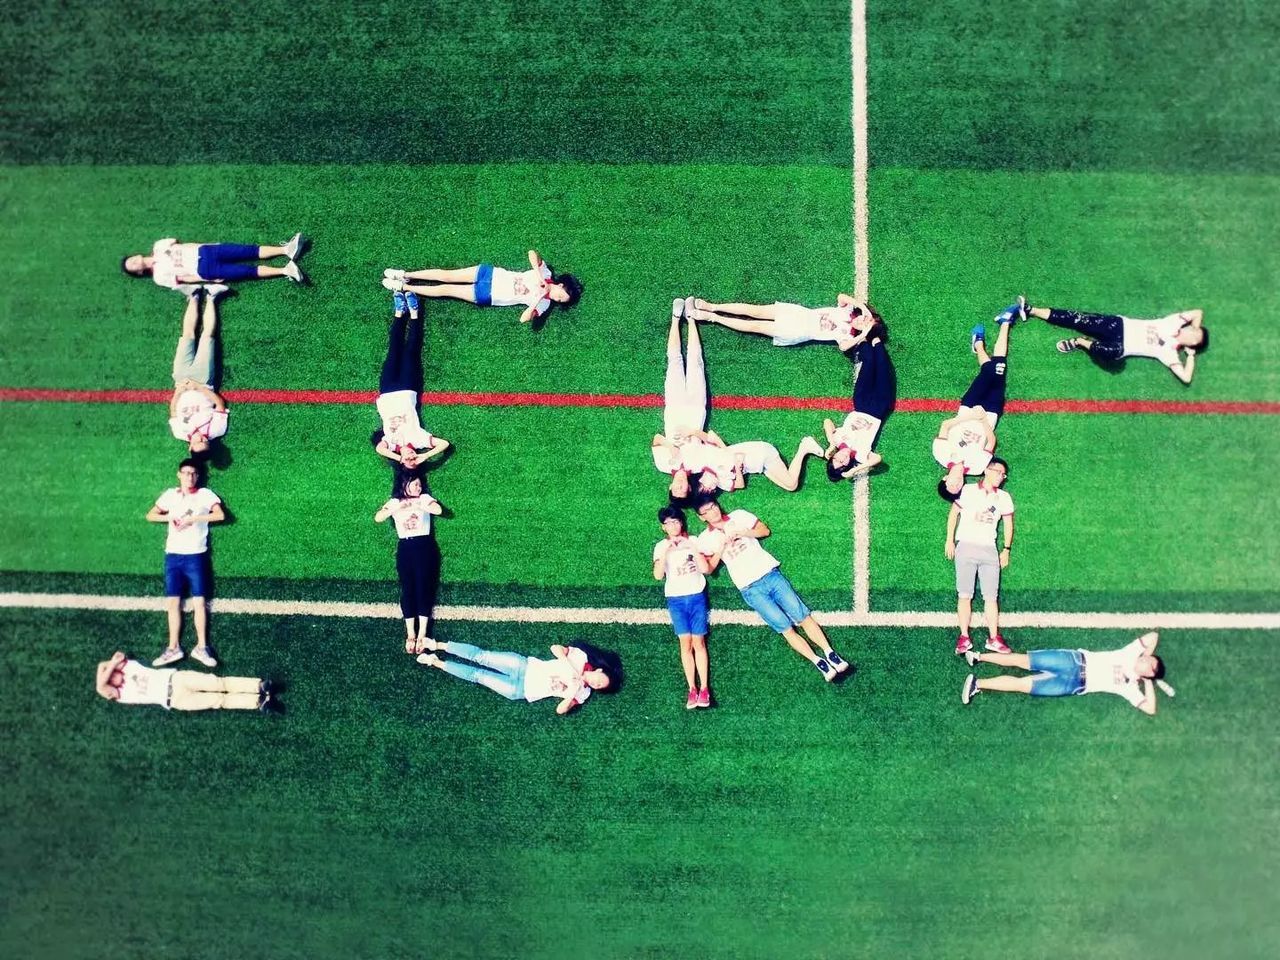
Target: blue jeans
{"points": [[689, 614], [225, 261], [501, 672], [777, 602], [186, 572], [1065, 669]]}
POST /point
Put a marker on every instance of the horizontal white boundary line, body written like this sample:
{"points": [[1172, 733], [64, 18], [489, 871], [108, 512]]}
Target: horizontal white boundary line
{"points": [[655, 616]]}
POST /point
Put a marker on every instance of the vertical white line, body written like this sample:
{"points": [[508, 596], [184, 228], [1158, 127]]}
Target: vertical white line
{"points": [[861, 284]]}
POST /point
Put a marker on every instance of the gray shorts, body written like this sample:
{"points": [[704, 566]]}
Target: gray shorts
{"points": [[981, 562], [194, 360]]}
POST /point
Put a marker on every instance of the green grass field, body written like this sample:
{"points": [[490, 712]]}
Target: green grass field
{"points": [[1087, 154]]}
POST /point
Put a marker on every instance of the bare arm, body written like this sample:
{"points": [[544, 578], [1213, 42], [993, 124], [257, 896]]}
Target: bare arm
{"points": [[704, 566], [535, 261], [528, 314], [713, 438], [1008, 541], [844, 300], [1185, 370], [567, 704], [438, 446], [952, 519], [758, 532], [384, 511], [829, 429], [872, 460], [157, 515], [385, 450], [1148, 704]]}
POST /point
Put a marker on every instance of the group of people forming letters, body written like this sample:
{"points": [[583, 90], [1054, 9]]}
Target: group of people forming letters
{"points": [[701, 468]]}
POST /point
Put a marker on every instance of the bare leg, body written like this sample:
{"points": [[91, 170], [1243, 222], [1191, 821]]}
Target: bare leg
{"points": [[266, 273], [1002, 341], [1006, 684], [200, 617], [695, 372], [266, 253], [173, 609], [981, 348], [700, 659], [189, 317], [815, 634], [787, 476], [460, 275], [445, 291], [409, 638], [422, 633], [991, 608], [209, 319], [760, 311], [1021, 661], [796, 643], [762, 327], [686, 659], [964, 611], [1040, 313]]}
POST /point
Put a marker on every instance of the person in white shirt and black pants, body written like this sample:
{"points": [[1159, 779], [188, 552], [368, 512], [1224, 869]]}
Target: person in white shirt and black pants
{"points": [[417, 556]]}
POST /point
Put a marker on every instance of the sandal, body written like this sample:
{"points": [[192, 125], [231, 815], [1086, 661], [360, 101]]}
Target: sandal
{"points": [[1067, 346], [411, 645], [420, 645]]}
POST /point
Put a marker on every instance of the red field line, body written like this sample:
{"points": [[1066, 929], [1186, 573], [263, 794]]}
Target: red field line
{"points": [[644, 401]]}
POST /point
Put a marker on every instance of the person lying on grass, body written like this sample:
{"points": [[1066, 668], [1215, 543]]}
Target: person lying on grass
{"points": [[678, 561], [1132, 672], [128, 681], [402, 438], [849, 446], [485, 285], [790, 324], [697, 459], [965, 442], [197, 412], [417, 556], [1174, 340], [735, 540], [171, 263], [570, 676]]}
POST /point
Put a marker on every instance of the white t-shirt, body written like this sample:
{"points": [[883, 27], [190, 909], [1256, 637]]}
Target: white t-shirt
{"points": [[1115, 671], [683, 578], [173, 260], [512, 289], [1153, 338], [555, 678], [400, 426], [177, 504], [746, 559], [195, 413], [857, 433], [980, 511], [411, 516], [827, 324], [963, 444], [143, 684], [668, 458], [720, 461]]}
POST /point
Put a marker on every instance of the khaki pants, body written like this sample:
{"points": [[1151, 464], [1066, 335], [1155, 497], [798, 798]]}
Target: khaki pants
{"points": [[190, 690]]}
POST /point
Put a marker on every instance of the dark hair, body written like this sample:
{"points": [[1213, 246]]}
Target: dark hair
{"points": [[1159, 674], [690, 499], [997, 461], [946, 494], [671, 513], [375, 438], [605, 660], [835, 474], [702, 500], [400, 479], [1204, 341], [189, 462], [124, 265], [572, 286]]}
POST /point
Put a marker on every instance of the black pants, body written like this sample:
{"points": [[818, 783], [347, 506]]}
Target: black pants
{"points": [[402, 370], [988, 388], [418, 564], [876, 388], [1106, 330]]}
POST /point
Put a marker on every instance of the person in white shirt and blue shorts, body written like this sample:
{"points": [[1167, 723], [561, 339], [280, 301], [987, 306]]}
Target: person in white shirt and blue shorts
{"points": [[678, 561]]}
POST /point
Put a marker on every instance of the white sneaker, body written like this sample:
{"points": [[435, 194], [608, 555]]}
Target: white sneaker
{"points": [[293, 273], [971, 656], [428, 660], [189, 290], [170, 655], [294, 246], [970, 689], [391, 274], [811, 446], [215, 290], [677, 308], [432, 645], [393, 284], [202, 655], [689, 312]]}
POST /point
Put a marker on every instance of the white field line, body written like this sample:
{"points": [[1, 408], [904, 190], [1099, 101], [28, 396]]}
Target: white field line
{"points": [[656, 616], [861, 285]]}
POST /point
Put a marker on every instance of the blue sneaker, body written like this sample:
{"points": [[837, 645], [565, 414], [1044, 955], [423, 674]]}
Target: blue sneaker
{"points": [[398, 303], [411, 299], [1013, 312], [976, 336]]}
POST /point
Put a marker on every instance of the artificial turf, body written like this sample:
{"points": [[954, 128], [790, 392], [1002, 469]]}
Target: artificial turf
{"points": [[1089, 155]]}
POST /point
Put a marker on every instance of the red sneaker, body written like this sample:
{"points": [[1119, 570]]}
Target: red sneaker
{"points": [[704, 697], [691, 701], [963, 645], [996, 644]]}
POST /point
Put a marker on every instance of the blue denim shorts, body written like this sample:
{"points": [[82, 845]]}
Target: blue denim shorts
{"points": [[689, 614], [484, 285], [777, 602], [187, 573], [1064, 669]]}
